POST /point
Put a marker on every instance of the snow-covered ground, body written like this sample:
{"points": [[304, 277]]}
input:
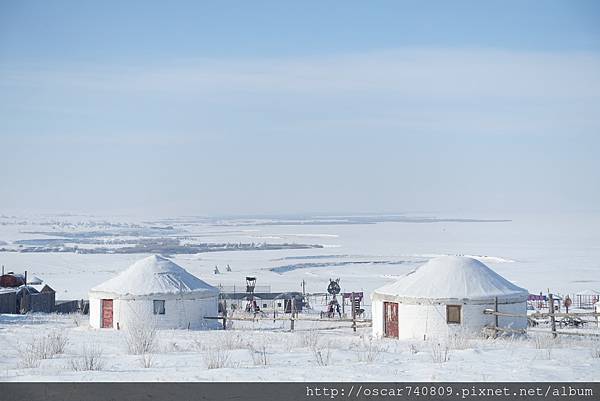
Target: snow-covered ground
{"points": [[279, 355], [557, 253]]}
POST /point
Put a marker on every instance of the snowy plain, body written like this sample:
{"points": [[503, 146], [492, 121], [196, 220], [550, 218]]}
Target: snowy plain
{"points": [[558, 253], [256, 354]]}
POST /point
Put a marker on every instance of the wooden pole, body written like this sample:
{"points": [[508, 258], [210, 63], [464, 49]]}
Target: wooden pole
{"points": [[496, 317], [292, 316], [551, 313], [353, 303], [224, 314]]}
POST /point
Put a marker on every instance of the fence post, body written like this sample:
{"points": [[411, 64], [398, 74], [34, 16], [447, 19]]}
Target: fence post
{"points": [[353, 313], [551, 313], [496, 317], [292, 316], [224, 314]]}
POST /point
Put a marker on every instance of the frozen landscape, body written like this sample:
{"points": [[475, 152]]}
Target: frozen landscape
{"points": [[72, 254], [270, 191]]}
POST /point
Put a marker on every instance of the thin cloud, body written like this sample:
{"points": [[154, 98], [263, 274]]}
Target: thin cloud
{"points": [[436, 74]]}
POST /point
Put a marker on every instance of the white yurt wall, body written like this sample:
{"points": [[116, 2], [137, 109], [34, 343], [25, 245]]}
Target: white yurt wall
{"points": [[95, 313], [179, 313]]}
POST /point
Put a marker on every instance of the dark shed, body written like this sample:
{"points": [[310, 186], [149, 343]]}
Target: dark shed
{"points": [[31, 300], [8, 301]]}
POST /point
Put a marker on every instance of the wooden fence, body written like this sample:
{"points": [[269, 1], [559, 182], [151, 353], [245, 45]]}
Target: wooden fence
{"points": [[293, 318], [551, 315]]}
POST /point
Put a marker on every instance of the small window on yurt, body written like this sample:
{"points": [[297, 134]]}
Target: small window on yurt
{"points": [[453, 314], [159, 307]]}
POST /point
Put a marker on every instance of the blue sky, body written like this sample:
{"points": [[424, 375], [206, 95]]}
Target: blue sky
{"points": [[273, 107]]}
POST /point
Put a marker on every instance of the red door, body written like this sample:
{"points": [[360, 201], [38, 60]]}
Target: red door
{"points": [[107, 313], [390, 316]]}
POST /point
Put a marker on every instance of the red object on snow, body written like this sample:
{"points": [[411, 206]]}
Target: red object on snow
{"points": [[12, 280]]}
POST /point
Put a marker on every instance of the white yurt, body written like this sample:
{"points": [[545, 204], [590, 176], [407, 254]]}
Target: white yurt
{"points": [[157, 291], [445, 296]]}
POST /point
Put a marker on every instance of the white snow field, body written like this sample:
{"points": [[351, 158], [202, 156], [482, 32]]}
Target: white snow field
{"points": [[539, 253], [260, 355]]}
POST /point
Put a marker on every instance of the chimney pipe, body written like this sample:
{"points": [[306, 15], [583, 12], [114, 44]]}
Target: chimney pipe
{"points": [[25, 277]]}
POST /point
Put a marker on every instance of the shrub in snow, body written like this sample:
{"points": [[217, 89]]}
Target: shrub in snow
{"points": [[506, 341], [290, 341], [545, 342], [439, 352], [29, 356], [215, 358], [200, 345], [42, 347], [89, 359], [369, 351], [171, 346], [140, 334], [147, 360], [56, 342], [309, 339], [77, 318], [596, 348], [259, 352], [460, 340], [322, 354], [231, 340]]}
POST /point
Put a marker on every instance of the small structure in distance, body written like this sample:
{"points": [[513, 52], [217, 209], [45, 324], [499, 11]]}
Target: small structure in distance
{"points": [[20, 294]]}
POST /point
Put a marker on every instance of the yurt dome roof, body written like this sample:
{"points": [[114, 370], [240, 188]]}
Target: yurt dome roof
{"points": [[154, 275], [453, 278]]}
